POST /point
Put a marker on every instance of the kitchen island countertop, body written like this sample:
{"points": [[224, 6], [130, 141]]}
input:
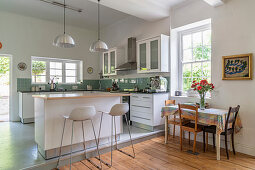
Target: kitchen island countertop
{"points": [[78, 95]]}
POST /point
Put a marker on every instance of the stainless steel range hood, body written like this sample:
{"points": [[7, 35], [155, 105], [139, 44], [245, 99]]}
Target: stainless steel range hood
{"points": [[131, 64]]}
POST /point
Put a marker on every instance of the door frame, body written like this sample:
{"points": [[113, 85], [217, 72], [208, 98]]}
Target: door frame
{"points": [[10, 82]]}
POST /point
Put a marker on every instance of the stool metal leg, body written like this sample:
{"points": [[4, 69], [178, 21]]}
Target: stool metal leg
{"points": [[61, 142], [111, 139], [128, 124], [100, 126], [71, 147], [96, 143], [84, 140]]}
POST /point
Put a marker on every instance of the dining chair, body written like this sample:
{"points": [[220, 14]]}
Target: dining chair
{"points": [[229, 128], [174, 121], [190, 127]]}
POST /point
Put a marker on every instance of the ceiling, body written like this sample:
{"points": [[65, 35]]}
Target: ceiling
{"points": [[150, 10], [111, 10], [86, 19]]}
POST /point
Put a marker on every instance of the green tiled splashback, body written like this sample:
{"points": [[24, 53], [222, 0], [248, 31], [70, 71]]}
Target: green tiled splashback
{"points": [[24, 84]]}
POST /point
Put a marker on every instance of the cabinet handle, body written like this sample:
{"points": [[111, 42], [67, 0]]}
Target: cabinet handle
{"points": [[146, 97], [141, 106], [135, 96], [141, 117]]}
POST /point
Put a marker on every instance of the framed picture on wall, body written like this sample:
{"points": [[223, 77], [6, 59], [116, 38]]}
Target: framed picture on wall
{"points": [[237, 67]]}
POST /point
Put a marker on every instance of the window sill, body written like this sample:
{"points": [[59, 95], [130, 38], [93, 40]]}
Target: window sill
{"points": [[188, 97]]}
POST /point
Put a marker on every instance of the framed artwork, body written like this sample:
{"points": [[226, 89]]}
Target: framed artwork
{"points": [[237, 67]]}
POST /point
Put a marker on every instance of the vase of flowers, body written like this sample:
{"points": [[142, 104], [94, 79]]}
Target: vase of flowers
{"points": [[202, 88]]}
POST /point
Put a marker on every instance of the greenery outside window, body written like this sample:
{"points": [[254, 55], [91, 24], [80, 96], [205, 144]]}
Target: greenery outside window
{"points": [[62, 70], [195, 56]]}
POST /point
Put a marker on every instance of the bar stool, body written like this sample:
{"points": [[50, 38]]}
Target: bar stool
{"points": [[80, 114], [117, 110]]}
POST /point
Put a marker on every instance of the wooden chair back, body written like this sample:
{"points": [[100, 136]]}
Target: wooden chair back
{"points": [[189, 117], [169, 102], [231, 117]]}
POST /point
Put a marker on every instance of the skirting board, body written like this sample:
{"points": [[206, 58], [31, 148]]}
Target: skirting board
{"points": [[27, 120], [147, 127]]}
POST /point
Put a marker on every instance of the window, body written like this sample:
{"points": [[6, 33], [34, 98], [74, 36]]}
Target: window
{"points": [[62, 70], [195, 56], [38, 71]]}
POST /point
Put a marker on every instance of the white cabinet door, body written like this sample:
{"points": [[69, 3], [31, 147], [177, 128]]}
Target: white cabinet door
{"points": [[154, 57], [153, 54], [142, 57], [110, 62], [26, 107]]}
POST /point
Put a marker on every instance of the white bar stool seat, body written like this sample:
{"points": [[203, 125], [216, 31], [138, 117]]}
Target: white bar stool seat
{"points": [[80, 114], [117, 110]]}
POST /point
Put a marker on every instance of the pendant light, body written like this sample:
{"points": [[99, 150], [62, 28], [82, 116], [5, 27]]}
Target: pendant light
{"points": [[98, 46], [64, 40]]}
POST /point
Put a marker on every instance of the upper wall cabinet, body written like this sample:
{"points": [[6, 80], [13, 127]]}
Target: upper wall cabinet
{"points": [[153, 54], [110, 62]]}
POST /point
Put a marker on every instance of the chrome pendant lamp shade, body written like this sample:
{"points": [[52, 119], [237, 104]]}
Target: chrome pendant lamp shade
{"points": [[64, 40], [99, 45]]}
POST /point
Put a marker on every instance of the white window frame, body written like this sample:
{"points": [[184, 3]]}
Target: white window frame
{"points": [[180, 63], [79, 72]]}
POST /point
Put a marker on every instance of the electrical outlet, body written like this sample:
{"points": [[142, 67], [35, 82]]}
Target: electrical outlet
{"points": [[74, 87], [42, 88]]}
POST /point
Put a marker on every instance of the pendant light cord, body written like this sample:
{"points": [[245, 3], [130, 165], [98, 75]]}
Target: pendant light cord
{"points": [[98, 19], [64, 16]]}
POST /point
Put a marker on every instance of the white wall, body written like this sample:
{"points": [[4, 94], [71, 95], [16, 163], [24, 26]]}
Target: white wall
{"points": [[117, 34], [233, 32], [23, 37]]}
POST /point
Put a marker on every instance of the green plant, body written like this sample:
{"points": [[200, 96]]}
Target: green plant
{"points": [[38, 67], [4, 65]]}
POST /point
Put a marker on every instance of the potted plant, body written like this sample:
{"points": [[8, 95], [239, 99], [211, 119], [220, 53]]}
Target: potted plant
{"points": [[202, 88]]}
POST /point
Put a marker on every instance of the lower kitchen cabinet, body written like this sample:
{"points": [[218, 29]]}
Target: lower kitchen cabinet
{"points": [[145, 109], [26, 107]]}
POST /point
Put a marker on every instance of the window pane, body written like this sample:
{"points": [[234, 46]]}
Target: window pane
{"points": [[207, 53], [70, 72], [197, 39], [56, 78], [196, 70], [38, 79], [70, 79], [186, 72], [186, 41], [187, 55], [54, 72], [198, 53], [186, 83], [207, 37], [207, 69], [56, 65], [70, 65], [38, 68], [197, 79]]}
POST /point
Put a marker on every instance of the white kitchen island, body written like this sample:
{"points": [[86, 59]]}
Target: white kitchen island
{"points": [[49, 121]]}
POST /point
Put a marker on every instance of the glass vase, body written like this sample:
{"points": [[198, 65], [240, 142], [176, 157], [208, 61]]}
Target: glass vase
{"points": [[202, 101]]}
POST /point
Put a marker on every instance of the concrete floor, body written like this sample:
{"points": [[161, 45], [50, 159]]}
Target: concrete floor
{"points": [[18, 149]]}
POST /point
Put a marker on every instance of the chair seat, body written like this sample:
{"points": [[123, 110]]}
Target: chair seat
{"points": [[176, 121], [212, 129], [191, 127]]}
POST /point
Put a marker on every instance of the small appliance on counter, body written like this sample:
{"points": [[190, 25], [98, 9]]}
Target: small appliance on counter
{"points": [[115, 86], [158, 84], [53, 85]]}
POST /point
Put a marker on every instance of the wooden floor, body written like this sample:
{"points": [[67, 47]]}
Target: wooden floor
{"points": [[155, 154]]}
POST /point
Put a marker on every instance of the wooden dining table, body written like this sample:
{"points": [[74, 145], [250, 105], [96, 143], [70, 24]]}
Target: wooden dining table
{"points": [[210, 116]]}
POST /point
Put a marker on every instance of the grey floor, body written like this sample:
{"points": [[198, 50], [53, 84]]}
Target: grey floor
{"points": [[18, 149]]}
